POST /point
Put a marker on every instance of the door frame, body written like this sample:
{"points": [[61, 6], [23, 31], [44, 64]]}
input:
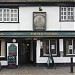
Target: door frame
{"points": [[34, 52]]}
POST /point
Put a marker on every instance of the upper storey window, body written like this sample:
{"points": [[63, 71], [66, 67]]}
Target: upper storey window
{"points": [[67, 14], [8, 15]]}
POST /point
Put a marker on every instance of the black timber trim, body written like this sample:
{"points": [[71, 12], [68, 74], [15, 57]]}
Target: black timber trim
{"points": [[34, 52], [37, 3], [34, 34], [64, 47], [3, 58], [56, 64]]}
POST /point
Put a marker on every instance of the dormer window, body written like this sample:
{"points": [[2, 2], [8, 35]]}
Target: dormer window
{"points": [[8, 15]]}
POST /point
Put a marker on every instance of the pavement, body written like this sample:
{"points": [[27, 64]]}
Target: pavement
{"points": [[31, 70]]}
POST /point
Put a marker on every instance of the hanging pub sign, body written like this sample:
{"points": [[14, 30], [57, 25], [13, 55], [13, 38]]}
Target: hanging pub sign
{"points": [[39, 21]]}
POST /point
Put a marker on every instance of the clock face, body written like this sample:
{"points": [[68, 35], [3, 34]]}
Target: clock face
{"points": [[39, 20]]}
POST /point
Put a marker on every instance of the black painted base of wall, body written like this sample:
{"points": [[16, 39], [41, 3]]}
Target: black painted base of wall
{"points": [[56, 64]]}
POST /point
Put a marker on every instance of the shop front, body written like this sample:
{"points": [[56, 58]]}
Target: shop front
{"points": [[29, 47], [24, 49]]}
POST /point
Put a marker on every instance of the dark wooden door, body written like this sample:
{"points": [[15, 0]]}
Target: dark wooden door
{"points": [[24, 52]]}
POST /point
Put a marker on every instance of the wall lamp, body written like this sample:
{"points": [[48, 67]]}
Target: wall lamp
{"points": [[40, 9]]}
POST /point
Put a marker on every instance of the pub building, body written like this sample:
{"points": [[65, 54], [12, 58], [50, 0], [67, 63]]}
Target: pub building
{"points": [[30, 30]]}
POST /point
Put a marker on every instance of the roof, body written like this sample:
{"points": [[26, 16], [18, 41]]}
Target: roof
{"points": [[37, 0], [6, 3]]}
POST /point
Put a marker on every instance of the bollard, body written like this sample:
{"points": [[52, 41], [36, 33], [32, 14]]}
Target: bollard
{"points": [[71, 64]]}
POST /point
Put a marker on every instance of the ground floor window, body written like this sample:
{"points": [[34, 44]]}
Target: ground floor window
{"points": [[48, 46], [70, 47], [2, 48]]}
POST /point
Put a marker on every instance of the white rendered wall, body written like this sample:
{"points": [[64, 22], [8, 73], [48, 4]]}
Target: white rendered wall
{"points": [[52, 19], [26, 17], [67, 26], [26, 20], [9, 26]]}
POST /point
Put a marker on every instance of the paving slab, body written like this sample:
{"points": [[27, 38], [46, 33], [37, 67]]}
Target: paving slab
{"points": [[31, 70]]}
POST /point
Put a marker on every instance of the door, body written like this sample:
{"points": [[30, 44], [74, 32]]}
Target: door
{"points": [[24, 52]]}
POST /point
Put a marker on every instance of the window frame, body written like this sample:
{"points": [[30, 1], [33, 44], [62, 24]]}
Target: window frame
{"points": [[17, 17], [71, 15], [43, 54], [72, 41]]}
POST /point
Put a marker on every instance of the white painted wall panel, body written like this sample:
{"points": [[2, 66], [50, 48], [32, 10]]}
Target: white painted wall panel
{"points": [[67, 26], [4, 63], [60, 44], [52, 18], [37, 51], [9, 26], [26, 17], [56, 59]]}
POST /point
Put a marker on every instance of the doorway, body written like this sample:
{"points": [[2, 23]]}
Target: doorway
{"points": [[27, 52], [24, 52]]}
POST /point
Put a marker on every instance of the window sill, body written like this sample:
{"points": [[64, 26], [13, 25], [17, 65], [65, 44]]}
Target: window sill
{"points": [[3, 58], [52, 56], [69, 55], [66, 21], [9, 22]]}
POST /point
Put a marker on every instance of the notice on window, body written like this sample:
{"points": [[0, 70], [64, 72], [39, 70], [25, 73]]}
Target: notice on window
{"points": [[52, 46], [41, 43], [74, 51], [70, 47]]}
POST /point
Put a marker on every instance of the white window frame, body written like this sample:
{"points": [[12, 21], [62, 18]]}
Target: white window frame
{"points": [[67, 15], [2, 15], [6, 15], [9, 14], [13, 14]]}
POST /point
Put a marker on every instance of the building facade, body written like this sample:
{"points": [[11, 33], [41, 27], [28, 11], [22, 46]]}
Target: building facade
{"points": [[31, 30]]}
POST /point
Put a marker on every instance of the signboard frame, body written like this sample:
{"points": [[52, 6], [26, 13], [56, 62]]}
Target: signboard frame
{"points": [[39, 21], [8, 44]]}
